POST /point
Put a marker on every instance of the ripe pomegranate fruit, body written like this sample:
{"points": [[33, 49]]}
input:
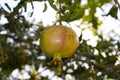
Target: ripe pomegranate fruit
{"points": [[59, 41]]}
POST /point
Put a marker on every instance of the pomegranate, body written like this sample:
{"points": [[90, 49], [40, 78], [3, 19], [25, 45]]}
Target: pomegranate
{"points": [[59, 41]]}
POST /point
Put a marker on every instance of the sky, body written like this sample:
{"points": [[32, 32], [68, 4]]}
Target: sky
{"points": [[109, 23]]}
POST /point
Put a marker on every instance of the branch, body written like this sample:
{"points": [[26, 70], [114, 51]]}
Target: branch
{"points": [[116, 2], [17, 8], [117, 67], [60, 12]]}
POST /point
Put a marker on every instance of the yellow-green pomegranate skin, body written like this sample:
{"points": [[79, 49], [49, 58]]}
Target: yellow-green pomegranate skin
{"points": [[59, 40]]}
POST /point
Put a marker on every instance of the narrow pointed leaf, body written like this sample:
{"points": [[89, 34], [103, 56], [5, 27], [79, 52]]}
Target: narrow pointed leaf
{"points": [[45, 7]]}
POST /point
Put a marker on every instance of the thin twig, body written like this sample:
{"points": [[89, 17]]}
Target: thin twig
{"points": [[60, 12]]}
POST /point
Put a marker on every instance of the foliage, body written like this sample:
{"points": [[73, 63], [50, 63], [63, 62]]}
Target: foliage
{"points": [[18, 47]]}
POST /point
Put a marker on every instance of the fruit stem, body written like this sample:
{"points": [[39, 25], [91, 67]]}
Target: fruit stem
{"points": [[60, 21], [57, 63], [57, 59]]}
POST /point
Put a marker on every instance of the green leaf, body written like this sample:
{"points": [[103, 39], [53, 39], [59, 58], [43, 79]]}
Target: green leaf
{"points": [[45, 7], [2, 38], [31, 14], [113, 12], [66, 1], [52, 4], [7, 6], [94, 22], [80, 38], [76, 15], [112, 59]]}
